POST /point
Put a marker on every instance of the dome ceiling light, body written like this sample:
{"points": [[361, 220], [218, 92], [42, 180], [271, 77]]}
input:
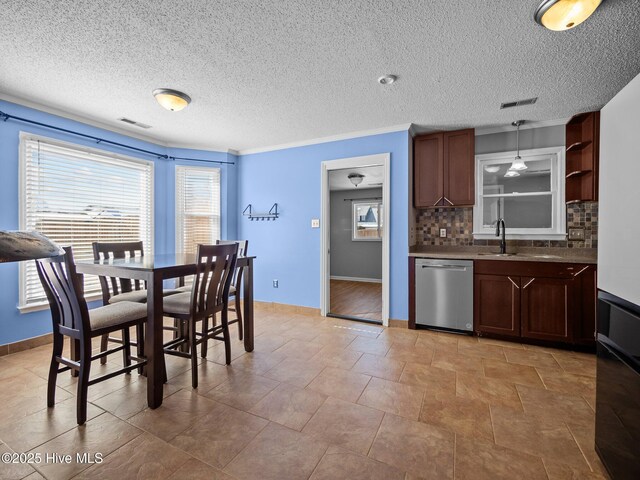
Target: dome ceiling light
{"points": [[355, 178], [387, 79], [559, 15], [172, 100]]}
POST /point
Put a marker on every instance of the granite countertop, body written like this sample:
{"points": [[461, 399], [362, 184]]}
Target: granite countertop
{"points": [[526, 254]]}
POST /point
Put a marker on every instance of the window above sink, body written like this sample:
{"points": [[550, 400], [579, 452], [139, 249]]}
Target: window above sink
{"points": [[531, 200]]}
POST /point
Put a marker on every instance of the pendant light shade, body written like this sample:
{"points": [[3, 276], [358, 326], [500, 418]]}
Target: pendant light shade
{"points": [[518, 164], [561, 15], [511, 173], [19, 246], [172, 100]]}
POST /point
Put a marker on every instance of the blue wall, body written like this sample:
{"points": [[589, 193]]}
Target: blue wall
{"points": [[289, 249], [15, 326]]}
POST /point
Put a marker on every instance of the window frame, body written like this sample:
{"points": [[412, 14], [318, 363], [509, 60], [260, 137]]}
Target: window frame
{"points": [[23, 305], [558, 230], [179, 215], [354, 222]]}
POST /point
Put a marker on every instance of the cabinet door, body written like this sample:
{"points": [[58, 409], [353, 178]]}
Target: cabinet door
{"points": [[585, 320], [548, 305], [428, 171], [459, 167], [497, 304]]}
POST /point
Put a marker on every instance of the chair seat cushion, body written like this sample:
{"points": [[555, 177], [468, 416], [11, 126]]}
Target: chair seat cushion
{"points": [[187, 288], [177, 304], [116, 314], [139, 295]]}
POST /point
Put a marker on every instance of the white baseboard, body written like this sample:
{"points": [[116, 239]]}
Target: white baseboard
{"points": [[356, 279]]}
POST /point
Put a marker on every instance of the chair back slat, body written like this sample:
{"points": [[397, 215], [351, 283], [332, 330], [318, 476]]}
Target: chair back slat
{"points": [[114, 285], [63, 288], [243, 246], [210, 289]]}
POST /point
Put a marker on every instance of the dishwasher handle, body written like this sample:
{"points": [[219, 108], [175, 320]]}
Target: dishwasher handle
{"points": [[446, 267]]}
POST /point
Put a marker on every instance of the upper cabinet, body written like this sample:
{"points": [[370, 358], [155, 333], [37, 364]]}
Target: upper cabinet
{"points": [[583, 146], [444, 169]]}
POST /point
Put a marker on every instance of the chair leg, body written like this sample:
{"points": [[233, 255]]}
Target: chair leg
{"points": [[239, 316], [225, 334], [140, 345], [194, 353], [104, 345], [58, 344], [205, 338], [83, 380], [126, 352]]}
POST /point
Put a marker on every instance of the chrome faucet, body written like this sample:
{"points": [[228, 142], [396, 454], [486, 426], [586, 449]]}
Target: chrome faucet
{"points": [[503, 242]]}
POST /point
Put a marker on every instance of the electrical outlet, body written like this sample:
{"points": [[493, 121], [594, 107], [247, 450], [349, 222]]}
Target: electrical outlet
{"points": [[275, 284], [315, 223], [443, 233], [576, 233]]}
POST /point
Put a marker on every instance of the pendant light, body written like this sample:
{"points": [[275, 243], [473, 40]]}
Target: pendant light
{"points": [[172, 100], [518, 164], [561, 15]]}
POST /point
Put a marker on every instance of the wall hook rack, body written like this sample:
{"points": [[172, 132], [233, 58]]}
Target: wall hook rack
{"points": [[272, 214]]}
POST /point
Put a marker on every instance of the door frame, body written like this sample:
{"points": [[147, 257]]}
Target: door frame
{"points": [[381, 159]]}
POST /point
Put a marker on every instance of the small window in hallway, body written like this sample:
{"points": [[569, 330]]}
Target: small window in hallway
{"points": [[367, 221]]}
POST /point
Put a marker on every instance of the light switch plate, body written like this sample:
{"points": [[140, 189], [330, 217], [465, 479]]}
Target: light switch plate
{"points": [[315, 223], [576, 233], [443, 233]]}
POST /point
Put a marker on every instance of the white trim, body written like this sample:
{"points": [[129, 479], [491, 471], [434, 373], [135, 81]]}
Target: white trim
{"points": [[559, 217], [354, 162], [526, 126], [330, 138], [111, 128], [356, 279]]}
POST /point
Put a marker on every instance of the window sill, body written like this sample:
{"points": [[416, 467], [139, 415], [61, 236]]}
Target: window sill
{"points": [[522, 236], [36, 307]]}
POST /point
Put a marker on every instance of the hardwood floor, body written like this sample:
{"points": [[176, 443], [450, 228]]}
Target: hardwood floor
{"points": [[319, 398], [356, 299]]}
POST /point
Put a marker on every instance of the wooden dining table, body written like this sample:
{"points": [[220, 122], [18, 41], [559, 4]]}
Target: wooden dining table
{"points": [[154, 270]]}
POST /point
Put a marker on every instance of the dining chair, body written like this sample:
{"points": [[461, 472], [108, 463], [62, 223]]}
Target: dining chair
{"points": [[209, 295], [236, 282], [72, 318], [115, 289]]}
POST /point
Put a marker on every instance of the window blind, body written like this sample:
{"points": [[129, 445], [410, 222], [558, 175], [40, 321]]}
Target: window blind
{"points": [[197, 207], [75, 196]]}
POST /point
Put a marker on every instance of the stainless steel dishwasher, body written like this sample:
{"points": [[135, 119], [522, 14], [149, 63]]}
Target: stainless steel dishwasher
{"points": [[444, 294]]}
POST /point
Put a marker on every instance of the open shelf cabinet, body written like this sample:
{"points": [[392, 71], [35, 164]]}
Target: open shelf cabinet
{"points": [[583, 140]]}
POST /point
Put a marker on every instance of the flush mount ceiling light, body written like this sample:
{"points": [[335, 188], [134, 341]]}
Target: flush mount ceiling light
{"points": [[561, 15], [171, 99], [387, 79], [356, 178]]}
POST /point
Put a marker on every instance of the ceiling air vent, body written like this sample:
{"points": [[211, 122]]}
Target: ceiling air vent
{"points": [[133, 122], [519, 103]]}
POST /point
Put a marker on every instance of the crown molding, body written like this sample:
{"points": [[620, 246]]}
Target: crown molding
{"points": [[331, 138], [525, 126]]}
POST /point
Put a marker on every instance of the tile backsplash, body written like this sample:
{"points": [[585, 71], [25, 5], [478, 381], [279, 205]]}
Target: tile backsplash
{"points": [[459, 225]]}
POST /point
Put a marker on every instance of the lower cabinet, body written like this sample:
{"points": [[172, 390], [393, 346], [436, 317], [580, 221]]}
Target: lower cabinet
{"points": [[540, 301]]}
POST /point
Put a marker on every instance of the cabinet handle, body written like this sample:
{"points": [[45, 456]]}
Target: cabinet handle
{"points": [[576, 274], [438, 201], [529, 283], [450, 202], [514, 283]]}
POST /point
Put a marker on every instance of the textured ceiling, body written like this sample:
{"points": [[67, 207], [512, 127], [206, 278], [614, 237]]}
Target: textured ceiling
{"points": [[279, 71]]}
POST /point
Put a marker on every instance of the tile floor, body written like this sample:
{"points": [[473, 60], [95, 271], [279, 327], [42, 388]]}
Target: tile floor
{"points": [[320, 399]]}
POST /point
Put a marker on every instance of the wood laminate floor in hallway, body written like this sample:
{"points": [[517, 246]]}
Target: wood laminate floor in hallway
{"points": [[356, 299], [319, 398]]}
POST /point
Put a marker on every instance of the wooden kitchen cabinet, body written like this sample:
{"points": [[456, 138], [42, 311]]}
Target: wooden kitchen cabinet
{"points": [[444, 169], [499, 310], [583, 149], [554, 302]]}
